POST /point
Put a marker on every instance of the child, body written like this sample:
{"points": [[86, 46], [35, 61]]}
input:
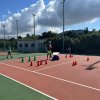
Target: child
{"points": [[49, 50]]}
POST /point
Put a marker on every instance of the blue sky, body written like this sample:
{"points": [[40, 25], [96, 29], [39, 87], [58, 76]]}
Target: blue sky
{"points": [[78, 15], [14, 6], [91, 26]]}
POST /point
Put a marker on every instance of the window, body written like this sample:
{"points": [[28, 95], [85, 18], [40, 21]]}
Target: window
{"points": [[20, 45], [26, 44], [40, 45], [32, 45]]}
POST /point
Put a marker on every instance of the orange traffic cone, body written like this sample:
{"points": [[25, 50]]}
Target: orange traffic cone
{"points": [[46, 62], [87, 58], [73, 63], [31, 64], [70, 56], [38, 63]]}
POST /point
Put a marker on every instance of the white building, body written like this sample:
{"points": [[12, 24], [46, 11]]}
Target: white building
{"points": [[31, 45]]}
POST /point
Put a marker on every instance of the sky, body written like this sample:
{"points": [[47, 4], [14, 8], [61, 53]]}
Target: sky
{"points": [[78, 15]]}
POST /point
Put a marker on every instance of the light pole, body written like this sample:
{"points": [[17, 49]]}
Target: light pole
{"points": [[17, 34], [34, 31], [63, 24], [4, 35], [17, 27]]}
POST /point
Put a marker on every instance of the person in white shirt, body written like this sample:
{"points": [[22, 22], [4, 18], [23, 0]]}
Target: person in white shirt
{"points": [[9, 52]]}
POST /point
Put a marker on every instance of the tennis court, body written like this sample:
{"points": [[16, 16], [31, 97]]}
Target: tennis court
{"points": [[57, 79]]}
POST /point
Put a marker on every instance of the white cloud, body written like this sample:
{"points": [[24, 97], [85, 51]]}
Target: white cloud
{"points": [[49, 17], [68, 29], [9, 12], [93, 21], [25, 19], [76, 11], [54, 29]]}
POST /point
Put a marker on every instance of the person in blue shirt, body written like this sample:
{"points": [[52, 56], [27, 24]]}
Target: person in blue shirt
{"points": [[9, 52]]}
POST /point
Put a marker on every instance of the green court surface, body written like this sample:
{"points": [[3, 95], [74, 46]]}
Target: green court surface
{"points": [[11, 90], [18, 55]]}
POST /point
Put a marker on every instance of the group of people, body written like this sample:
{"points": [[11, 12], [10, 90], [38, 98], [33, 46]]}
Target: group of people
{"points": [[49, 51]]}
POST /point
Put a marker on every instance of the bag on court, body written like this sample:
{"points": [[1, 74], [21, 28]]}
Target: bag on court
{"points": [[55, 57]]}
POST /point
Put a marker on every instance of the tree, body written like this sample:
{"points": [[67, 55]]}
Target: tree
{"points": [[86, 30], [19, 37], [48, 34], [27, 36], [93, 30]]}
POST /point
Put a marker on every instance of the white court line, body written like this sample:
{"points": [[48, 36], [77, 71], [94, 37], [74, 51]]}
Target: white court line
{"points": [[82, 85], [29, 87], [57, 65]]}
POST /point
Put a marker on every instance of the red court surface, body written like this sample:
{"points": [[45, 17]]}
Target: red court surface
{"points": [[3, 53], [59, 79]]}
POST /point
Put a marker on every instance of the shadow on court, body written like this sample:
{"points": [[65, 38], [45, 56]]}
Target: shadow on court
{"points": [[91, 67]]}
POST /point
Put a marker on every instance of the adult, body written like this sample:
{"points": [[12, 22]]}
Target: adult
{"points": [[9, 52]]}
